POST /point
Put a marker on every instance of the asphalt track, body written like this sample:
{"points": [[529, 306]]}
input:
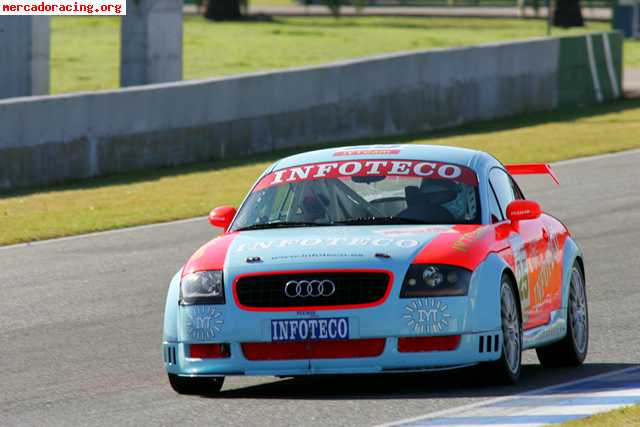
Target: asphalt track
{"points": [[80, 325]]}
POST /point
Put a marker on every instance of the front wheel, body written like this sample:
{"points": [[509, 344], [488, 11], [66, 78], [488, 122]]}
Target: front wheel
{"points": [[572, 349], [201, 386], [506, 370]]}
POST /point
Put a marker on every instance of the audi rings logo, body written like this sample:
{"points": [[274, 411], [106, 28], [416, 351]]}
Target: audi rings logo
{"points": [[309, 288]]}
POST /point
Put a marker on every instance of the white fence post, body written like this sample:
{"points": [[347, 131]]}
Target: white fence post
{"points": [[24, 55], [151, 42]]}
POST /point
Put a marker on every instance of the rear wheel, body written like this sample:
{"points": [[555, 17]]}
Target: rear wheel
{"points": [[506, 370], [572, 349], [201, 386]]}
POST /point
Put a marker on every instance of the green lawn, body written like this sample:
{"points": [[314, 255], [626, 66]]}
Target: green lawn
{"points": [[85, 49], [627, 417], [187, 191]]}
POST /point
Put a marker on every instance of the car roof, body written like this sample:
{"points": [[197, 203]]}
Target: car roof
{"points": [[436, 153]]}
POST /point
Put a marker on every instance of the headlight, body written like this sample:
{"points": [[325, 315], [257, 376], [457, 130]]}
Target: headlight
{"points": [[203, 287], [435, 280]]}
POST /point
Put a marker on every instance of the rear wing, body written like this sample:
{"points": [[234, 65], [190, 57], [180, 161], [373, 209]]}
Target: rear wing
{"points": [[533, 169]]}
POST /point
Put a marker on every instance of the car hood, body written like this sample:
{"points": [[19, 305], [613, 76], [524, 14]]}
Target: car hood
{"points": [[314, 247], [331, 244]]}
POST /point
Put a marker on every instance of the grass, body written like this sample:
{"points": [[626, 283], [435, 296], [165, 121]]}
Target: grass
{"points": [[188, 191], [628, 417], [85, 50]]}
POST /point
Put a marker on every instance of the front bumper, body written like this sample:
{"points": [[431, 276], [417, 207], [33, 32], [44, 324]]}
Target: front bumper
{"points": [[480, 340], [467, 353], [474, 317]]}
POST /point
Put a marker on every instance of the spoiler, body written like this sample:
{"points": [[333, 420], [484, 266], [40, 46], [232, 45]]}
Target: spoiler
{"points": [[533, 169]]}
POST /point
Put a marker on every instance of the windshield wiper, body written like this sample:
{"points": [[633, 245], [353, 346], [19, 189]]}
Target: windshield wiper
{"points": [[282, 224], [380, 220]]}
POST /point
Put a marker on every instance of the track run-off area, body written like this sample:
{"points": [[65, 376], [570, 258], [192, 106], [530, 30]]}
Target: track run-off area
{"points": [[81, 322]]}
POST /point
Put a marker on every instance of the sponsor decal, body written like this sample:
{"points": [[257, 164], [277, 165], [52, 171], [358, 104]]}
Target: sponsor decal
{"points": [[427, 315], [203, 322], [544, 265], [466, 241], [330, 241], [521, 212], [366, 152], [408, 231], [336, 328], [307, 313], [351, 168], [318, 255]]}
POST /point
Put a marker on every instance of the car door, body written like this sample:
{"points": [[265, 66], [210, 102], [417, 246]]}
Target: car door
{"points": [[551, 268], [529, 247]]}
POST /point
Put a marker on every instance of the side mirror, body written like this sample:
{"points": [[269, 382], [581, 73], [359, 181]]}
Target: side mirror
{"points": [[222, 216], [520, 210]]}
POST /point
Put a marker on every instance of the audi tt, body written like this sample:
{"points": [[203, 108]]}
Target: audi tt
{"points": [[376, 259]]}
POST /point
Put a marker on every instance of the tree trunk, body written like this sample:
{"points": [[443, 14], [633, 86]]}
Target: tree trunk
{"points": [[223, 10], [568, 14]]}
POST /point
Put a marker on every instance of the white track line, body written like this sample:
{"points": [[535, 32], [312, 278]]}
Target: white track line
{"points": [[104, 233], [598, 157], [594, 69], [458, 409], [612, 72], [202, 218]]}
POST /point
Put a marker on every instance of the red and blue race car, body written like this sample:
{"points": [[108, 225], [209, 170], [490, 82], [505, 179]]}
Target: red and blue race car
{"points": [[378, 259]]}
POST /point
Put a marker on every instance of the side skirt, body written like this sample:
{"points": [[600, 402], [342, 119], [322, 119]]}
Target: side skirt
{"points": [[555, 330]]}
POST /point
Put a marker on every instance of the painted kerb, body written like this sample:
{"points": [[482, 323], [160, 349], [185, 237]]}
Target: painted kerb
{"points": [[55, 138]]}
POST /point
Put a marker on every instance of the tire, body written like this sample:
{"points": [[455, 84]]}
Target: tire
{"points": [[200, 386], [506, 370], [572, 349]]}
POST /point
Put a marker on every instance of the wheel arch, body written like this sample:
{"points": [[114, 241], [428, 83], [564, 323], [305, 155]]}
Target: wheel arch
{"points": [[484, 291], [170, 325], [571, 255], [514, 287]]}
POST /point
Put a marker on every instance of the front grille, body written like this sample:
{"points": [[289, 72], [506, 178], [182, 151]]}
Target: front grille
{"points": [[352, 289]]}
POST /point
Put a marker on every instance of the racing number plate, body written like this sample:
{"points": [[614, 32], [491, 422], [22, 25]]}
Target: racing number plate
{"points": [[330, 328]]}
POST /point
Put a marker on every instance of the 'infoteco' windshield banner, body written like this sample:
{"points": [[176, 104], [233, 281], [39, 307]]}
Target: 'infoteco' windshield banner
{"points": [[351, 168]]}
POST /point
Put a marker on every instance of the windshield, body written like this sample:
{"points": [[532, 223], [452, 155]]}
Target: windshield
{"points": [[362, 192]]}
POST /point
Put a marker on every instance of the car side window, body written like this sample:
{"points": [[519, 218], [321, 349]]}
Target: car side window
{"points": [[494, 208], [516, 189], [502, 185]]}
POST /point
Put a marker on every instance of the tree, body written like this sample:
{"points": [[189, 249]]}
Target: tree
{"points": [[225, 10], [568, 14], [334, 7]]}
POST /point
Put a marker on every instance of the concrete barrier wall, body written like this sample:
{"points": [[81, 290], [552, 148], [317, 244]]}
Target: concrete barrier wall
{"points": [[51, 139]]}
